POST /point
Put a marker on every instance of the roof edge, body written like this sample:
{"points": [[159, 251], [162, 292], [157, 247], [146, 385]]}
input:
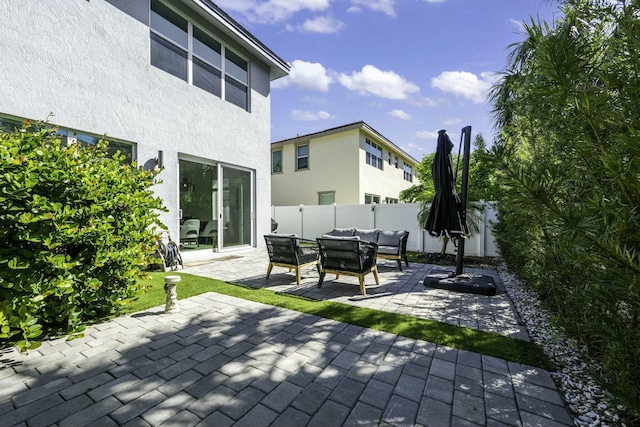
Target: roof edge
{"points": [[279, 67], [355, 125]]}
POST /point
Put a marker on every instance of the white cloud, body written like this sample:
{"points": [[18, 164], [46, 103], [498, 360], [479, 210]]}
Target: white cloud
{"points": [[465, 84], [385, 84], [435, 1], [451, 122], [426, 134], [384, 6], [310, 116], [272, 11], [400, 114], [322, 24], [305, 75]]}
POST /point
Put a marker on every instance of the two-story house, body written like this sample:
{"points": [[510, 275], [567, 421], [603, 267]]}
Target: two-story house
{"points": [[176, 84], [350, 164]]}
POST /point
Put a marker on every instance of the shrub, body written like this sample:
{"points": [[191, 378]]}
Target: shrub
{"points": [[77, 228], [568, 160]]}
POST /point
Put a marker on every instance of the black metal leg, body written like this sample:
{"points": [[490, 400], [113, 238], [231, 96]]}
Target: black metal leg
{"points": [[399, 264]]}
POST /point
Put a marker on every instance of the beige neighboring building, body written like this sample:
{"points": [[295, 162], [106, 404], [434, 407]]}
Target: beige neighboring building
{"points": [[350, 164]]}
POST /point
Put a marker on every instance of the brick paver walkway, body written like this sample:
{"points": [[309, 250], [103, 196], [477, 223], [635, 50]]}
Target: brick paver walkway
{"points": [[222, 361]]}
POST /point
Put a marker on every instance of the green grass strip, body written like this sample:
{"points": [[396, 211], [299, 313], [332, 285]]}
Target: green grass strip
{"points": [[487, 343]]}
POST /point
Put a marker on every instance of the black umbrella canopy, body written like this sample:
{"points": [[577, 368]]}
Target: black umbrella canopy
{"points": [[445, 215]]}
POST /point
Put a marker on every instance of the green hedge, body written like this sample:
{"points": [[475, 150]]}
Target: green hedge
{"points": [[76, 231], [568, 162]]}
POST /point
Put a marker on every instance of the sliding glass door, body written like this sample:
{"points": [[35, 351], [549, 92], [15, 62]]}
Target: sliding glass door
{"points": [[198, 190], [214, 216], [237, 207]]}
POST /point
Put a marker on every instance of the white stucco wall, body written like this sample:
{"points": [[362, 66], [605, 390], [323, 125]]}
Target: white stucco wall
{"points": [[88, 63]]}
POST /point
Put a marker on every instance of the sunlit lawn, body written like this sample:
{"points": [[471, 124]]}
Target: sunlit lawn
{"points": [[487, 343]]}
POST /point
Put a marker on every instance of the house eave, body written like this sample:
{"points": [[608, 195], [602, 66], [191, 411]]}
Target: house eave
{"points": [[278, 67]]}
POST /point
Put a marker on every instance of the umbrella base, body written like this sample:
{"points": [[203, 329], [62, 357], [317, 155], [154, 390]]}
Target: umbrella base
{"points": [[470, 283]]}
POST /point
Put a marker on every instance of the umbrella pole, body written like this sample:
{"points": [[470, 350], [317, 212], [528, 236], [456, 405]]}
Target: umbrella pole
{"points": [[463, 196]]}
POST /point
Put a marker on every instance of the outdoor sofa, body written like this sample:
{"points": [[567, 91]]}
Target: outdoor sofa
{"points": [[391, 244]]}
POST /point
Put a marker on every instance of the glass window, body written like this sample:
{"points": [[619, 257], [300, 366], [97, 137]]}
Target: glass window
{"points": [[374, 154], [168, 57], [302, 161], [206, 77], [207, 48], [171, 25], [391, 200], [236, 66], [236, 93], [408, 172], [276, 161], [327, 198], [176, 42], [371, 198]]}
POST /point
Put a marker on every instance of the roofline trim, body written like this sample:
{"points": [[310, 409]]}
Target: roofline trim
{"points": [[350, 126]]}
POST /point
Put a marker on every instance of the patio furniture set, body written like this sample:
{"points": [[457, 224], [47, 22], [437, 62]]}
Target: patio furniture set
{"points": [[342, 251]]}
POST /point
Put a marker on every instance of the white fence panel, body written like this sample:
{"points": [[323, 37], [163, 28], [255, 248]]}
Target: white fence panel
{"points": [[288, 218], [402, 216], [312, 221], [359, 216], [490, 218], [317, 220]]}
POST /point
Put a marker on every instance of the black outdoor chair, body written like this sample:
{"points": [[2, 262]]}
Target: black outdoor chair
{"points": [[350, 257], [290, 251]]}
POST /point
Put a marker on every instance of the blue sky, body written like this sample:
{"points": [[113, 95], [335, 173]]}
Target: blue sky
{"points": [[406, 67]]}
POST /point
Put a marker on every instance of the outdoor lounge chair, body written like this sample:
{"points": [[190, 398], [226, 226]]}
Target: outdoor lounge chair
{"points": [[348, 256], [291, 251]]}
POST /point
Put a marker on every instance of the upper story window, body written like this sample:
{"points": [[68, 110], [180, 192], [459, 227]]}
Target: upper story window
{"points": [[408, 172], [390, 200], [396, 162], [236, 80], [276, 161], [207, 63], [187, 52], [302, 157], [169, 40], [374, 154]]}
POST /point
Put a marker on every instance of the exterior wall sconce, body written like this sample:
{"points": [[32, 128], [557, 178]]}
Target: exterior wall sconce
{"points": [[160, 159]]}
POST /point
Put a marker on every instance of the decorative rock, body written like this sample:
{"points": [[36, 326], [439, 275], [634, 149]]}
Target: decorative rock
{"points": [[588, 402], [170, 283]]}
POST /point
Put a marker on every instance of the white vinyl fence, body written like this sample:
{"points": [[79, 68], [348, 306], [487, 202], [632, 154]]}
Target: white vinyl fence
{"points": [[311, 222]]}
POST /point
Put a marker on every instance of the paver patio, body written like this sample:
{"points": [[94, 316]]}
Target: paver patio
{"points": [[222, 361]]}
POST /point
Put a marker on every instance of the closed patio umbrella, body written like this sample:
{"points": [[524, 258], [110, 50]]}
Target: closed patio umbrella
{"points": [[445, 214], [447, 217]]}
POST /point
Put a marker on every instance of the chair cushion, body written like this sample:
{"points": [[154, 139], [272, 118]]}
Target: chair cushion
{"points": [[343, 231], [388, 250], [367, 235], [390, 238], [332, 236]]}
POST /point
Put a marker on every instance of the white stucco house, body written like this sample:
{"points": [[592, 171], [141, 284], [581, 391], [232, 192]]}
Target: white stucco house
{"points": [[176, 84], [349, 164]]}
